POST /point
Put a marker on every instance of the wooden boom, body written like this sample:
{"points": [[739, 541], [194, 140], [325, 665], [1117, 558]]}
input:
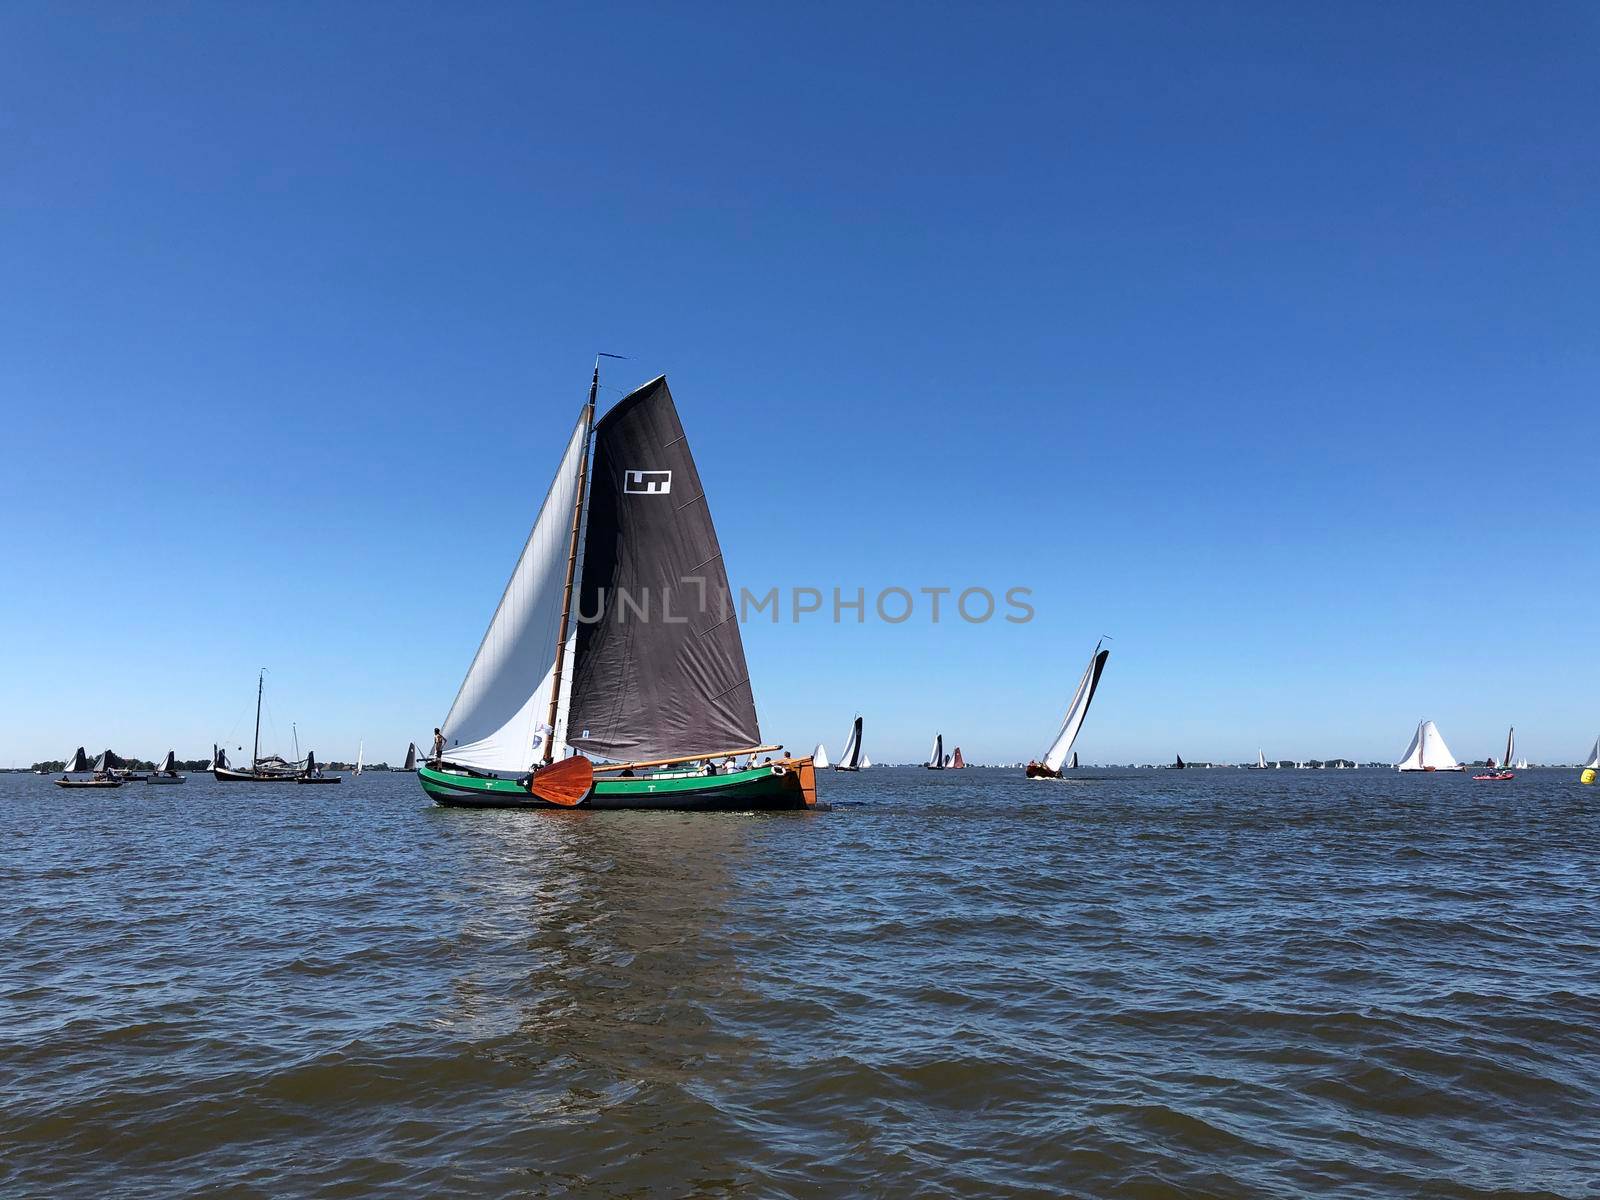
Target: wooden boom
{"points": [[667, 762]]}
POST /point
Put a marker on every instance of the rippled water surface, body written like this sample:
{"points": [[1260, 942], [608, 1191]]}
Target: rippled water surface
{"points": [[1199, 983]]}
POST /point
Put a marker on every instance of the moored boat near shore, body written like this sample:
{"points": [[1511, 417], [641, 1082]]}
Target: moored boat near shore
{"points": [[167, 771], [271, 769]]}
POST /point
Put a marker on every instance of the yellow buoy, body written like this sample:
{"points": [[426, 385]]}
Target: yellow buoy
{"points": [[1587, 776]]}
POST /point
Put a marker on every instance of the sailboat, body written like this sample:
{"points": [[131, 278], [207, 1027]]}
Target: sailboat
{"points": [[1050, 766], [1591, 767], [1261, 761], [851, 759], [361, 748], [819, 757], [665, 703], [166, 771], [1504, 771], [865, 762], [1073, 765], [937, 759], [411, 757], [271, 769], [1428, 752], [1177, 765], [313, 773], [77, 765]]}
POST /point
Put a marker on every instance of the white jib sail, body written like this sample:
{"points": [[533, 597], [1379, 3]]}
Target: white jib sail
{"points": [[1594, 755], [505, 697], [1076, 711], [819, 757], [1261, 760], [1428, 749]]}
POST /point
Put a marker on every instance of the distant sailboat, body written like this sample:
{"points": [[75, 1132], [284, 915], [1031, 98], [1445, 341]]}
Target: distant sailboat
{"points": [[167, 771], [1073, 765], [851, 757], [1261, 761], [77, 765], [271, 769], [1593, 765], [819, 757], [411, 757], [1428, 752], [936, 760], [1077, 709], [865, 762], [1177, 764], [957, 763], [361, 748], [313, 773], [1504, 771]]}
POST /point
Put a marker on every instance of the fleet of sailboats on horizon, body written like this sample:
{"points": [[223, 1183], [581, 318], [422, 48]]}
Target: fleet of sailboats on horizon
{"points": [[666, 706]]}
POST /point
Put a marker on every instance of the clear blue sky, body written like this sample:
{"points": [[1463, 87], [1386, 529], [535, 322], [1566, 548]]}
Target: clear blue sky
{"points": [[1261, 337]]}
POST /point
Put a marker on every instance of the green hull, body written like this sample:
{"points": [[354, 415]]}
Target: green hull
{"points": [[765, 787]]}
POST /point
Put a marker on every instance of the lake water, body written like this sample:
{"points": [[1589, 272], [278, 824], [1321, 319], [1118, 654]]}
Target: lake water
{"points": [[1158, 983]]}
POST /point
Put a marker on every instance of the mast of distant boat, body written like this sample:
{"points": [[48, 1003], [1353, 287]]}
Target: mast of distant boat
{"points": [[572, 565], [255, 750]]}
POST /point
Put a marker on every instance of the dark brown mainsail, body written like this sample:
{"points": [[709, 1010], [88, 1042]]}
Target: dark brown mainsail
{"points": [[660, 664]]}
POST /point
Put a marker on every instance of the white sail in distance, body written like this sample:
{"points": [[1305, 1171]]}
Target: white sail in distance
{"points": [[1594, 756], [494, 721], [936, 755], [819, 757], [1077, 710], [1428, 751]]}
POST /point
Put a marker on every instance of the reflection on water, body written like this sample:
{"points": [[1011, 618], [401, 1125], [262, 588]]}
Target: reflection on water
{"points": [[1185, 983]]}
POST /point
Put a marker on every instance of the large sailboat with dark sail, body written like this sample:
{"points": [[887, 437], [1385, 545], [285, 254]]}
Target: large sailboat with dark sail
{"points": [[1055, 758], [612, 674]]}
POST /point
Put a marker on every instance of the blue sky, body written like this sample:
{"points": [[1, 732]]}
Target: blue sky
{"points": [[1261, 337]]}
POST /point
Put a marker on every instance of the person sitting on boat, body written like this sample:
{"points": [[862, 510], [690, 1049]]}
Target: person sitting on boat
{"points": [[711, 767], [438, 747]]}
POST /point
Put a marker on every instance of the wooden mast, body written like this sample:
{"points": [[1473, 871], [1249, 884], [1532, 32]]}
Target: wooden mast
{"points": [[572, 569]]}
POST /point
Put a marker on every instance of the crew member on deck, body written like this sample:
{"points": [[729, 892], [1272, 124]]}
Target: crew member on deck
{"points": [[438, 747]]}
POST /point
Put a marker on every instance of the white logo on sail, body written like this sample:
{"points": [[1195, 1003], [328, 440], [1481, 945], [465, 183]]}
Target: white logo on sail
{"points": [[647, 483]]}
